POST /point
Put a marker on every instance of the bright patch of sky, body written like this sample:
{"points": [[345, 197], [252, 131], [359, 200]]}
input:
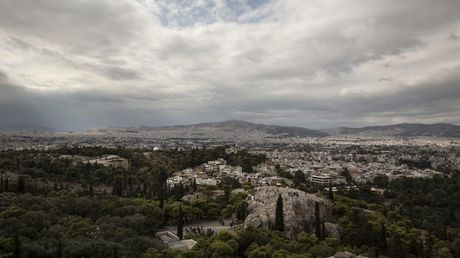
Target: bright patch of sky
{"points": [[185, 13]]}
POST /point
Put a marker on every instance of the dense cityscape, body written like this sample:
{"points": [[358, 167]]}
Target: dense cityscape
{"points": [[207, 194]]}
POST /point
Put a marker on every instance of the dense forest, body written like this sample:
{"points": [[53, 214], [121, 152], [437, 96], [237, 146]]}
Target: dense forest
{"points": [[51, 207]]}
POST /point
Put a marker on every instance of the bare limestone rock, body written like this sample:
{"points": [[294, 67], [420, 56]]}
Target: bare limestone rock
{"points": [[332, 230], [346, 255], [298, 208]]}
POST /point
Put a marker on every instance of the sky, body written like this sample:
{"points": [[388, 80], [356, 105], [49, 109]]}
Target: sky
{"points": [[82, 64]]}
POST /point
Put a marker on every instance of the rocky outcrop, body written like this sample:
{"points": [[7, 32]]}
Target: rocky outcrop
{"points": [[298, 208], [346, 255], [332, 230]]}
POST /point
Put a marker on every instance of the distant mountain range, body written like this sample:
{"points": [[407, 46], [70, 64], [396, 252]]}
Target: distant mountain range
{"points": [[229, 126], [25, 127], [238, 127], [288, 131], [409, 130]]}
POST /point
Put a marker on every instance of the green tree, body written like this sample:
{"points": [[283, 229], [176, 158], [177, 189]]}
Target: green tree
{"points": [[279, 216], [241, 210], [444, 253], [17, 247], [227, 192], [20, 187], [381, 181], [117, 188], [180, 223], [317, 221], [330, 193], [323, 230], [162, 191], [345, 173], [221, 249], [383, 239], [300, 176], [91, 190], [59, 250]]}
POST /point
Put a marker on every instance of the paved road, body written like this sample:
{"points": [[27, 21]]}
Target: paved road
{"points": [[214, 225]]}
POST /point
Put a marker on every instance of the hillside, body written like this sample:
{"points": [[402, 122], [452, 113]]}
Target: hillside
{"points": [[225, 127], [433, 130], [237, 128], [25, 127]]}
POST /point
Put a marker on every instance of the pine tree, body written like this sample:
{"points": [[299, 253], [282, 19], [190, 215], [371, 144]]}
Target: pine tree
{"points": [[317, 221], [180, 223], [279, 216]]}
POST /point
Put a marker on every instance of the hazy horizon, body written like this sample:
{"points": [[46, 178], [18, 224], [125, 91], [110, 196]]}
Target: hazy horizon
{"points": [[77, 65], [28, 127]]}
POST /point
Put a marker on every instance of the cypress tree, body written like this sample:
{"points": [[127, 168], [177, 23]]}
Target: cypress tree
{"points": [[194, 187], [162, 194], [317, 221], [383, 238], [20, 185], [6, 184], [279, 216], [180, 223], [17, 247], [2, 188], [227, 192], [59, 250], [323, 230], [115, 252], [118, 187], [331, 194], [91, 190], [241, 210]]}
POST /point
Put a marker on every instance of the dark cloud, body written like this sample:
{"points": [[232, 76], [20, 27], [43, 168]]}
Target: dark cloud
{"points": [[453, 37], [119, 73], [3, 76]]}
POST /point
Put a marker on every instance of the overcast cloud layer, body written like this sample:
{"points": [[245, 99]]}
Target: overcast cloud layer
{"points": [[79, 64]]}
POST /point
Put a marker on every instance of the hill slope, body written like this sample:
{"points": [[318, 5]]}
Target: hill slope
{"points": [[25, 127], [437, 130], [229, 126]]}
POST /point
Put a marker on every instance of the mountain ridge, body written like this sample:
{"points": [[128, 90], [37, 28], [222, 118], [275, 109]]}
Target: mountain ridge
{"points": [[25, 127], [402, 129], [234, 125]]}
